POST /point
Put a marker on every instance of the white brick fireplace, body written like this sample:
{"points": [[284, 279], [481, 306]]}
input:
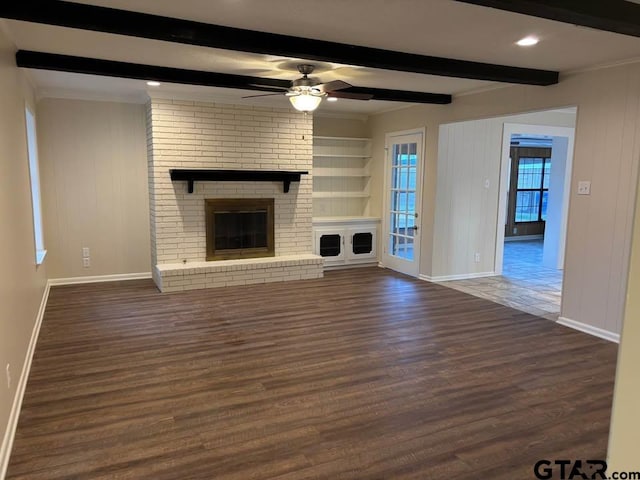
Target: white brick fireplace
{"points": [[198, 135]]}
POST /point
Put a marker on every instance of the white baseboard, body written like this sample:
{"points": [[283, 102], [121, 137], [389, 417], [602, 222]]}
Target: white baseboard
{"points": [[7, 441], [99, 278], [590, 329], [350, 265], [522, 238], [463, 276]]}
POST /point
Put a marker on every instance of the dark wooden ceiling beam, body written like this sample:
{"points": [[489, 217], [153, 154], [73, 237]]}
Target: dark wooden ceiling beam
{"points": [[123, 22], [109, 68], [619, 16]]}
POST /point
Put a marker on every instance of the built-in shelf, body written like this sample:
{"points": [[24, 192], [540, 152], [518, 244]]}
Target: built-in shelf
{"points": [[341, 176], [340, 172], [209, 175], [349, 139], [337, 155], [340, 195], [344, 220]]}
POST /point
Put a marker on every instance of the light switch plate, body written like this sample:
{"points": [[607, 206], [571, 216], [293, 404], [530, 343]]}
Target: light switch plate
{"points": [[584, 187]]}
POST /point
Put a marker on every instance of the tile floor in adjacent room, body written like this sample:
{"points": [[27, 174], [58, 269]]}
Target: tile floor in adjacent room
{"points": [[525, 283]]}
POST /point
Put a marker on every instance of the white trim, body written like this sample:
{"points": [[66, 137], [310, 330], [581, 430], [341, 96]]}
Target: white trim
{"points": [[346, 220], [344, 115], [356, 139], [100, 278], [40, 255], [350, 265], [462, 276], [14, 415], [138, 97], [394, 108], [519, 238], [590, 329], [407, 267], [206, 96]]}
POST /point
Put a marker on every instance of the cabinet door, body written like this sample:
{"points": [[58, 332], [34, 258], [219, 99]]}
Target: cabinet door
{"points": [[361, 243], [329, 243]]}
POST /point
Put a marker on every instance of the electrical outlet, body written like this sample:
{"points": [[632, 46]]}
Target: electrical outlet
{"points": [[86, 262], [584, 187], [85, 252], [515, 230], [487, 183], [8, 375], [477, 257]]}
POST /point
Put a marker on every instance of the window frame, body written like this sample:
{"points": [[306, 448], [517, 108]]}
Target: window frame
{"points": [[34, 183], [541, 189]]}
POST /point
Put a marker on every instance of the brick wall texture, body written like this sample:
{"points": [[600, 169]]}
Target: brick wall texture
{"points": [[186, 134]]}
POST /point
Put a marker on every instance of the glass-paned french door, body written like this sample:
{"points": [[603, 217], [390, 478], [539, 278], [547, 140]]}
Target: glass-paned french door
{"points": [[404, 152], [403, 200]]}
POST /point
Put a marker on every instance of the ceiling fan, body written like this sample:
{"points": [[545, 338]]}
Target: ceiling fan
{"points": [[306, 93]]}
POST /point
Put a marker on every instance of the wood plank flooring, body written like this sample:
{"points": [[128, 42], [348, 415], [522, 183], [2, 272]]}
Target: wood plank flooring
{"points": [[365, 374]]}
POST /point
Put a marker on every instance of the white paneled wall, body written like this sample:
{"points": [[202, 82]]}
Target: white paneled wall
{"points": [[465, 218], [467, 192]]}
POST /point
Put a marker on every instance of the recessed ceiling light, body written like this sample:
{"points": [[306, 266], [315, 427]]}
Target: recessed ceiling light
{"points": [[332, 99], [153, 83], [528, 41]]}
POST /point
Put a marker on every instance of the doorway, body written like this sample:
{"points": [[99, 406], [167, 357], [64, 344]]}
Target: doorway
{"points": [[536, 173], [401, 224]]}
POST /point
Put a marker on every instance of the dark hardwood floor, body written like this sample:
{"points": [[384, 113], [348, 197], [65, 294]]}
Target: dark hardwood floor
{"points": [[365, 374]]}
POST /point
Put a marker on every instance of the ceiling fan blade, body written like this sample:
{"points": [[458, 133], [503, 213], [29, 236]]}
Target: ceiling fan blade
{"points": [[263, 95], [332, 86], [352, 96]]}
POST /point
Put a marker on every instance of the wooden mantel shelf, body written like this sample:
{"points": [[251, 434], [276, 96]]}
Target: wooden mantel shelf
{"points": [[208, 175]]}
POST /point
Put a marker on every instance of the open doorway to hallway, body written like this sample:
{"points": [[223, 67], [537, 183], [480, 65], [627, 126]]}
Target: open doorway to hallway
{"points": [[538, 170], [520, 226]]}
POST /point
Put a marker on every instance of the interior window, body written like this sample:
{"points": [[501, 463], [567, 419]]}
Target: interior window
{"points": [[34, 173]]}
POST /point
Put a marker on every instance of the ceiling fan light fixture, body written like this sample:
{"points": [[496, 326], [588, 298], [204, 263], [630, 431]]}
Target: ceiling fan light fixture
{"points": [[305, 101]]}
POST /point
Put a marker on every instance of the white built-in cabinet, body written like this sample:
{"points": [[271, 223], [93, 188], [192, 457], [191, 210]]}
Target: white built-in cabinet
{"points": [[343, 234], [344, 241]]}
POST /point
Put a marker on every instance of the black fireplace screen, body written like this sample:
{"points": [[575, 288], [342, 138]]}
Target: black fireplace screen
{"points": [[239, 228]]}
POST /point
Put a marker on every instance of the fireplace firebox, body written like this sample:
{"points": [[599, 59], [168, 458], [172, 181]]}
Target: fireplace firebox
{"points": [[239, 228]]}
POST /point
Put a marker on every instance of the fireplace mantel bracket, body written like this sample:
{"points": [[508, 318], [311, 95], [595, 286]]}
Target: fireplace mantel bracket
{"points": [[208, 175]]}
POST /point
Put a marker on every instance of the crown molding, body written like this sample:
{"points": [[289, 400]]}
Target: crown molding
{"points": [[72, 94]]}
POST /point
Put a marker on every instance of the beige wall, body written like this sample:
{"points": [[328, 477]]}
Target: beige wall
{"points": [[335, 126], [606, 153], [94, 181], [625, 422], [22, 284]]}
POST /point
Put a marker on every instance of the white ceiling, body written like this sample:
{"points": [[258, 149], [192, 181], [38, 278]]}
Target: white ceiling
{"points": [[432, 27]]}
